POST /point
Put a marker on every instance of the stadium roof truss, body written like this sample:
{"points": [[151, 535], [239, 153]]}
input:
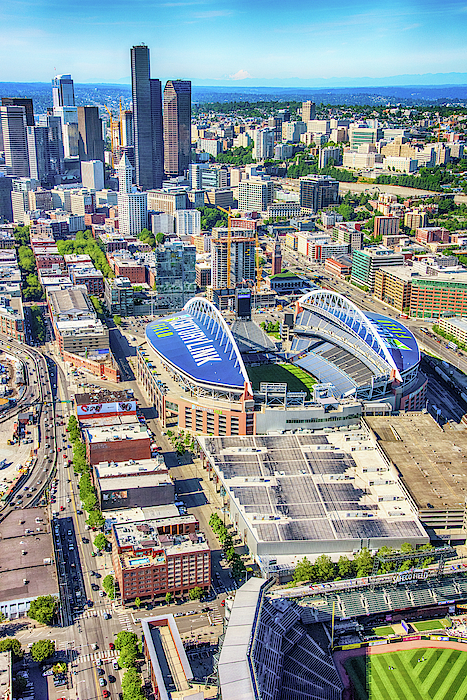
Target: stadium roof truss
{"points": [[210, 316], [342, 310]]}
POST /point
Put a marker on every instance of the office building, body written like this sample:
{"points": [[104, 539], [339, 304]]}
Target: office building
{"points": [[255, 194], [15, 145], [147, 121], [168, 201], [40, 165], [386, 226], [331, 155], [431, 234], [90, 142], [348, 232], [277, 257], [264, 144], [291, 131], [92, 174], [318, 192], [76, 327], [127, 128], [132, 206], [366, 262], [308, 111], [177, 126], [416, 218], [362, 134], [203, 176], [242, 257], [118, 296], [188, 222], [63, 93], [25, 102]]}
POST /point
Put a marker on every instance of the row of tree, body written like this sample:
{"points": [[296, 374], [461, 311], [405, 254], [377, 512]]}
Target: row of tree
{"points": [[129, 647], [226, 540], [32, 290], [87, 490], [181, 441], [38, 325], [323, 569], [86, 244], [148, 238]]}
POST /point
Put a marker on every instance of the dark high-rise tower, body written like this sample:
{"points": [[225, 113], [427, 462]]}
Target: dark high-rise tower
{"points": [[90, 142], [147, 121], [25, 102], [177, 126]]}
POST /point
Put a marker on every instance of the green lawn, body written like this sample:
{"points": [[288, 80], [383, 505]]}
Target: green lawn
{"points": [[427, 625], [295, 377], [401, 676], [383, 631]]}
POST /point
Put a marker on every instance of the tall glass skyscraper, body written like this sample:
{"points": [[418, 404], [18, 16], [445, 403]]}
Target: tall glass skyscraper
{"points": [[177, 126], [147, 121], [63, 91]]}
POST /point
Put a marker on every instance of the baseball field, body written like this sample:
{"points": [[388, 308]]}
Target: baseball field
{"points": [[412, 674]]}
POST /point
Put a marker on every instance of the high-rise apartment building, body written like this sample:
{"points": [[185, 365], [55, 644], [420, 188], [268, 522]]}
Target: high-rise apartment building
{"points": [[127, 128], [25, 102], [174, 273], [90, 142], [318, 192], [63, 92], [147, 121], [132, 206], [188, 222], [308, 111], [177, 126], [264, 144], [242, 257], [15, 145]]}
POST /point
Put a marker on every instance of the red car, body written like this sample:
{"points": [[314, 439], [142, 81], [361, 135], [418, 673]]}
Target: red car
{"points": [[111, 645], [62, 507], [106, 693]]}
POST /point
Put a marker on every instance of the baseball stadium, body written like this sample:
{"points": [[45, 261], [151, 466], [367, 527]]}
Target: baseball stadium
{"points": [[206, 375], [397, 636]]}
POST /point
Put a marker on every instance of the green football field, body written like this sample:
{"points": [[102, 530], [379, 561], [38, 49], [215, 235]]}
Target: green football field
{"points": [[442, 675], [295, 377]]}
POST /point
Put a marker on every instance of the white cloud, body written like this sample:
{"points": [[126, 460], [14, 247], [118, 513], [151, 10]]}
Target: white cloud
{"points": [[240, 75]]}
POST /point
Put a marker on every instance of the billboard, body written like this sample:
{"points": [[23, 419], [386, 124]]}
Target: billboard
{"points": [[197, 347], [103, 409]]}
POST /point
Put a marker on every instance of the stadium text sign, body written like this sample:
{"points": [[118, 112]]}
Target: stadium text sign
{"points": [[197, 343], [417, 574]]}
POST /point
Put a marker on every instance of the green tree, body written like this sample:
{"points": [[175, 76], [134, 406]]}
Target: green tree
{"points": [[125, 639], [324, 568], [43, 609], [363, 563], [131, 685], [128, 656], [42, 650], [160, 238], [117, 320], [345, 567], [101, 541], [195, 593], [19, 686], [108, 584], [304, 570], [138, 602], [95, 519], [12, 644], [169, 597]]}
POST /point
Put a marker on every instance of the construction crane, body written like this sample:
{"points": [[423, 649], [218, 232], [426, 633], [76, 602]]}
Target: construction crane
{"points": [[111, 133], [229, 239]]}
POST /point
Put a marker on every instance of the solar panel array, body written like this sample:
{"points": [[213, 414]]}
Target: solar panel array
{"points": [[295, 492]]}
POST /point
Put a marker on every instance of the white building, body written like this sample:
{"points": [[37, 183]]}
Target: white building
{"points": [[92, 174], [264, 144], [400, 163], [255, 194], [132, 206], [291, 131], [188, 222]]}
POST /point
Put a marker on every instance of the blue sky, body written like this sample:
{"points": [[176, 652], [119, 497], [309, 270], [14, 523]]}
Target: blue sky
{"points": [[231, 41]]}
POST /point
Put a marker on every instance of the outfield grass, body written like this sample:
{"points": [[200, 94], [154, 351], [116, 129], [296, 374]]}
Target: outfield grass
{"points": [[401, 676], [384, 631], [296, 378], [427, 625]]}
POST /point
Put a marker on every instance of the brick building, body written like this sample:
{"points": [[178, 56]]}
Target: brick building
{"points": [[117, 443], [149, 562], [431, 234]]}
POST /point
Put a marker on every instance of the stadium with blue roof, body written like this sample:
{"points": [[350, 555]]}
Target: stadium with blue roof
{"points": [[370, 356]]}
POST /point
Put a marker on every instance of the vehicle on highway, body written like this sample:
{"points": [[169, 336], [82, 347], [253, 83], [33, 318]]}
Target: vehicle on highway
{"points": [[102, 682]]}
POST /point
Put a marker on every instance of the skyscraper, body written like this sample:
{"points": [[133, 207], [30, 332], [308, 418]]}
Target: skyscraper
{"points": [[277, 259], [242, 257], [63, 92], [147, 121], [90, 142], [25, 102], [13, 120], [132, 206], [308, 111], [38, 150], [177, 126]]}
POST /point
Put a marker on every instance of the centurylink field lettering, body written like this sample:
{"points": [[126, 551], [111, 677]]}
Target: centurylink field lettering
{"points": [[197, 343]]}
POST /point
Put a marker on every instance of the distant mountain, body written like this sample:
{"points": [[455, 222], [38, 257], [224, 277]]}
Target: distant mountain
{"points": [[428, 79]]}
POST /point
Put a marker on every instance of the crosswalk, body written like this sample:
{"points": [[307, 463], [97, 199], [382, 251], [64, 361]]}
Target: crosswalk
{"points": [[95, 612], [216, 617], [124, 620], [104, 654]]}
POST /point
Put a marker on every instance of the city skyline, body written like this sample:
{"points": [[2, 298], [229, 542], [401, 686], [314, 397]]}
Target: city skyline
{"points": [[272, 41]]}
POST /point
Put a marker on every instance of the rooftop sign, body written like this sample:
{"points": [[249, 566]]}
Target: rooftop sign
{"points": [[398, 339]]}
